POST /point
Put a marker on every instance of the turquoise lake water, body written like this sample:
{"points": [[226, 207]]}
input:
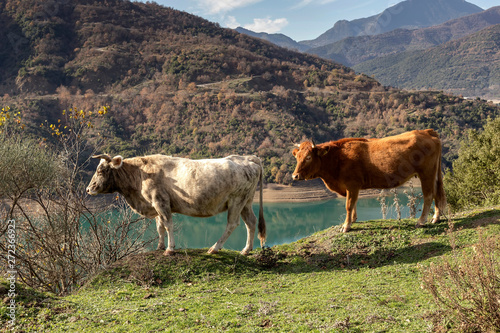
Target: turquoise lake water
{"points": [[286, 222]]}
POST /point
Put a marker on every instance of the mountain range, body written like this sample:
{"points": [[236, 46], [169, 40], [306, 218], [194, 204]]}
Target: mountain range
{"points": [[354, 50], [408, 14], [410, 26], [277, 39]]}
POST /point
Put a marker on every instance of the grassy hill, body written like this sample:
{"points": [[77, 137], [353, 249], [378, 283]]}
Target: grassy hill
{"points": [[355, 50], [177, 84], [370, 279], [469, 66]]}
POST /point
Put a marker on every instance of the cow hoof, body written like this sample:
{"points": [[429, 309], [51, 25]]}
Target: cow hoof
{"points": [[435, 220], [245, 252], [419, 225], [169, 253], [161, 248], [212, 250], [345, 229]]}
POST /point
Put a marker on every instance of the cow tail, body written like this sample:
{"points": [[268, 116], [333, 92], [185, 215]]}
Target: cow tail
{"points": [[262, 222], [440, 194]]}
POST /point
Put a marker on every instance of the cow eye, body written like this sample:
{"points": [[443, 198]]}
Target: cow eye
{"points": [[308, 158]]}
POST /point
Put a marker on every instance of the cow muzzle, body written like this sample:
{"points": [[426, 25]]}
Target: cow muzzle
{"points": [[297, 176], [90, 191]]}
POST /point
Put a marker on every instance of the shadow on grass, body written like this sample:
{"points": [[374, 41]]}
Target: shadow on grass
{"points": [[379, 243], [153, 268], [306, 262]]}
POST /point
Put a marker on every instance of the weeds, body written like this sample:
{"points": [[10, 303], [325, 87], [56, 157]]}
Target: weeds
{"points": [[413, 200], [467, 286], [396, 203], [267, 258], [383, 205]]}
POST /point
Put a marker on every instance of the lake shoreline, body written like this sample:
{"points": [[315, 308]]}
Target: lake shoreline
{"points": [[309, 191]]}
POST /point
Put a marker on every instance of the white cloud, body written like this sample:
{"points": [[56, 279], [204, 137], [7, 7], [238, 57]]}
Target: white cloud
{"points": [[267, 25], [231, 22], [224, 6]]}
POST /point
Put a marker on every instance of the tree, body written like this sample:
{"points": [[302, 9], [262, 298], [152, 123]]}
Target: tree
{"points": [[475, 179]]}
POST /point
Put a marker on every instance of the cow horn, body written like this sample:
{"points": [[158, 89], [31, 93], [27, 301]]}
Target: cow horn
{"points": [[313, 144], [295, 144], [103, 156]]}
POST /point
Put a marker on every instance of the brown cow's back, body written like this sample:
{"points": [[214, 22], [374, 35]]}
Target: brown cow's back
{"points": [[382, 163]]}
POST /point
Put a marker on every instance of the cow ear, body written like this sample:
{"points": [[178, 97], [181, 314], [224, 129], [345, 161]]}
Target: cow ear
{"points": [[323, 151], [294, 152], [117, 162]]}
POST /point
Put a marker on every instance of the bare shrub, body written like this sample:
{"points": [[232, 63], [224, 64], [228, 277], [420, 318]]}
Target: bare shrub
{"points": [[397, 202], [467, 286], [62, 242], [414, 199], [61, 238], [383, 205]]}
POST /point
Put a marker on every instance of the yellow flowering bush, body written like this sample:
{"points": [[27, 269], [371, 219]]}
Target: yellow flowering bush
{"points": [[10, 121], [74, 122]]}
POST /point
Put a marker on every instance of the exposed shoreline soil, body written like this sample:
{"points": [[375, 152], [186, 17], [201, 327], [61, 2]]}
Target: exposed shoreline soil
{"points": [[307, 191]]}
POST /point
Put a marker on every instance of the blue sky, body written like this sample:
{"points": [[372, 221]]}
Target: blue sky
{"points": [[298, 19]]}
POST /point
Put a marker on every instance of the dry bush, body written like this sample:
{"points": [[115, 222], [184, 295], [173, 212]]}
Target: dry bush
{"points": [[61, 242], [466, 286], [54, 237]]}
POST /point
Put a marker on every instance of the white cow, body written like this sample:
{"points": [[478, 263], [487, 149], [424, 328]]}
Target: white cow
{"points": [[156, 186]]}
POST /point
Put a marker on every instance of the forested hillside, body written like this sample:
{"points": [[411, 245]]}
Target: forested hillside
{"points": [[177, 84]]}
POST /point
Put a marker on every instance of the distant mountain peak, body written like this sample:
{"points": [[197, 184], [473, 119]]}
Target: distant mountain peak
{"points": [[277, 39]]}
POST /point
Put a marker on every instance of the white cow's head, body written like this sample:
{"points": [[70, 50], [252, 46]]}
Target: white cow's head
{"points": [[103, 180]]}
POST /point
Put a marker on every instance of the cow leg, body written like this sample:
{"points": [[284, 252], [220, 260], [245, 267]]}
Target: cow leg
{"points": [[169, 225], [355, 214], [233, 220], [164, 222], [250, 220], [437, 212], [428, 192], [161, 234], [350, 206]]}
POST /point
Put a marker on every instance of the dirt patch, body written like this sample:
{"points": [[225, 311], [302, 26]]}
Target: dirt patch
{"points": [[486, 221], [305, 191]]}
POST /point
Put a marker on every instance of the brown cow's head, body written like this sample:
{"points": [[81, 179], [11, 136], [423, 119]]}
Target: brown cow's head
{"points": [[308, 157], [102, 181]]}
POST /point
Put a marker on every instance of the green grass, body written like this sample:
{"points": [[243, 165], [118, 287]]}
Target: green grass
{"points": [[368, 280]]}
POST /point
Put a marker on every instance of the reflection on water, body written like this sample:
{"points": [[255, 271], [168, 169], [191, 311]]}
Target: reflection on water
{"points": [[286, 222]]}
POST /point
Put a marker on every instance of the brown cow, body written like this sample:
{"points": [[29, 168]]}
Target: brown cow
{"points": [[156, 186], [350, 165]]}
